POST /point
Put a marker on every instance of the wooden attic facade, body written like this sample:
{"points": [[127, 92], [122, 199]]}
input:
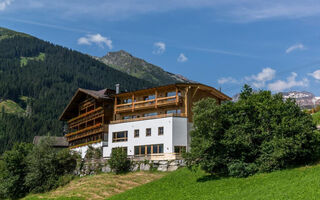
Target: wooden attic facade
{"points": [[88, 115]]}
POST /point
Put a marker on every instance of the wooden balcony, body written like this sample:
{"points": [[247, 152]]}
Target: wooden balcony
{"points": [[93, 130], [85, 144], [99, 112], [149, 117], [148, 104]]}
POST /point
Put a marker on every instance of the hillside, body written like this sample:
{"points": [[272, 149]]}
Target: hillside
{"points": [[125, 62], [299, 183], [47, 75], [99, 186]]}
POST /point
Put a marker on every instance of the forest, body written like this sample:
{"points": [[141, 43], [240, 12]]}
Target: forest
{"points": [[41, 78]]}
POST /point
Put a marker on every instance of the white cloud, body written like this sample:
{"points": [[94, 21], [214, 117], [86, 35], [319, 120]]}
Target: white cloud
{"points": [[227, 80], [159, 48], [315, 74], [96, 39], [4, 4], [291, 81], [259, 80], [234, 10], [182, 58], [295, 47]]}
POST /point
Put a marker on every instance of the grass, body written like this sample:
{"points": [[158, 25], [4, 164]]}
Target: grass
{"points": [[99, 186], [316, 118], [298, 183], [24, 60], [11, 107]]}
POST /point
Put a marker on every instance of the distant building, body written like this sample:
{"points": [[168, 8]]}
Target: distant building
{"points": [[57, 142], [152, 123]]}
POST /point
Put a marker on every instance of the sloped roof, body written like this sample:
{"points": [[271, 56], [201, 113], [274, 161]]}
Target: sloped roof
{"points": [[57, 141], [80, 94]]}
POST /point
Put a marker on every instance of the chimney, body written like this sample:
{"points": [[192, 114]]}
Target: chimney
{"points": [[117, 88]]}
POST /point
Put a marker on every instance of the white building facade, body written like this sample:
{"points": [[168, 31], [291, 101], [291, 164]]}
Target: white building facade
{"points": [[156, 139]]}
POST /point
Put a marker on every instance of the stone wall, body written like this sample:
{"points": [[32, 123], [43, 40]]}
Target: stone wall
{"points": [[94, 166]]}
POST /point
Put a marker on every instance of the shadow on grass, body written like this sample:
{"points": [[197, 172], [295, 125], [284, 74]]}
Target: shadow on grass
{"points": [[208, 178]]}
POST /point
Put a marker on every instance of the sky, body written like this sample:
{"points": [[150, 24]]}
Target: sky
{"points": [[272, 45]]}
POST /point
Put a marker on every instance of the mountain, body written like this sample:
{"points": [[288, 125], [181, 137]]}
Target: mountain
{"points": [[125, 62], [38, 78], [304, 99]]}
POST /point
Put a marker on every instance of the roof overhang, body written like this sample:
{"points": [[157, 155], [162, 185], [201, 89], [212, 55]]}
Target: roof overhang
{"points": [[210, 89], [81, 94]]}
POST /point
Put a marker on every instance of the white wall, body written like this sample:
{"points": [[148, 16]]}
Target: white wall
{"points": [[83, 150], [173, 127], [180, 131]]}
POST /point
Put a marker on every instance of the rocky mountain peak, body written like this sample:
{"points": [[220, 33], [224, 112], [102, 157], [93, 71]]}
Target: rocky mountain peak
{"points": [[137, 67]]}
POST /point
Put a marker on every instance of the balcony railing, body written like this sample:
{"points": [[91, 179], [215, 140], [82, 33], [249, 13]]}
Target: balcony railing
{"points": [[85, 116], [152, 103], [149, 117], [93, 130]]}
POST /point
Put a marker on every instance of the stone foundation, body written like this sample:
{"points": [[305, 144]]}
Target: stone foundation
{"points": [[94, 166]]}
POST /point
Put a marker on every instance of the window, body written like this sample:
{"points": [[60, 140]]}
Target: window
{"points": [[148, 132], [150, 114], [173, 111], [179, 149], [170, 94], [127, 101], [150, 97], [121, 136], [160, 130], [148, 149], [136, 133]]}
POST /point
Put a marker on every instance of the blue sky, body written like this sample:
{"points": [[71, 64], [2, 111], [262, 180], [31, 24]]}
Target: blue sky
{"points": [[271, 44]]}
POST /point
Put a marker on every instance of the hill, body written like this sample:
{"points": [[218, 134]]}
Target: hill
{"points": [[299, 183], [125, 62], [42, 77], [99, 186]]}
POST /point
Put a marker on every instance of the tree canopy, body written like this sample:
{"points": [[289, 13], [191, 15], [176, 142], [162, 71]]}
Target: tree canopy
{"points": [[259, 133]]}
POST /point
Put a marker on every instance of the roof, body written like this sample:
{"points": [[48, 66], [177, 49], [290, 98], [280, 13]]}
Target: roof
{"points": [[218, 93], [80, 94], [57, 141]]}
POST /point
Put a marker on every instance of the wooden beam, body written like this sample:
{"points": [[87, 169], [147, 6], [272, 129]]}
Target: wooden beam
{"points": [[177, 98], [156, 97], [132, 99]]}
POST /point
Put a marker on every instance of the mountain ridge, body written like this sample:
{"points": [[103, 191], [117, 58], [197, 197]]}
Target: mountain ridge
{"points": [[139, 68], [47, 75]]}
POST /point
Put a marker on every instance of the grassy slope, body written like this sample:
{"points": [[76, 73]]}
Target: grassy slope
{"points": [[11, 107], [299, 183], [316, 118], [99, 186], [24, 60]]}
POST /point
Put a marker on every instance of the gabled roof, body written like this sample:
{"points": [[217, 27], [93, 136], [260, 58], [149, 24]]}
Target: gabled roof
{"points": [[56, 141], [79, 96]]}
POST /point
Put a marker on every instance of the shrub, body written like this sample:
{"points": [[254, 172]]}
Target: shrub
{"points": [[93, 153], [13, 171], [119, 162], [46, 165], [259, 133]]}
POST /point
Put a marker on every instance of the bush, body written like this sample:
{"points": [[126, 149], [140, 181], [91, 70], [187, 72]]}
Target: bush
{"points": [[93, 153], [13, 171], [259, 133], [46, 165], [119, 162]]}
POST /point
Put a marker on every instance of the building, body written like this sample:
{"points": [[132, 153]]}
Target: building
{"points": [[152, 123], [57, 142]]}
